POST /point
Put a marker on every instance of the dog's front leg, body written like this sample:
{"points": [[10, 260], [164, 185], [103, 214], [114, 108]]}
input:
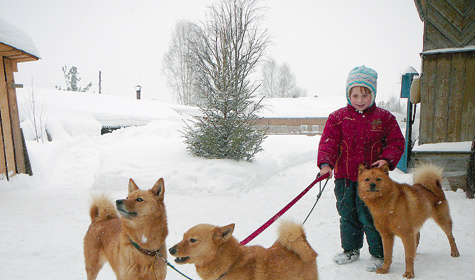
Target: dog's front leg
{"points": [[388, 243], [409, 242]]}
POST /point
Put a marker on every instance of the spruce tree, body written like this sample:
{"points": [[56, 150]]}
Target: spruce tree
{"points": [[228, 48]]}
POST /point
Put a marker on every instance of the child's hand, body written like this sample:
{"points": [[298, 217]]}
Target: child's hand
{"points": [[380, 163], [326, 169]]}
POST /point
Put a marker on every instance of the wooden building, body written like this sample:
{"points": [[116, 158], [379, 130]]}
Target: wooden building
{"points": [[447, 92], [448, 67], [288, 126], [303, 115], [13, 155]]}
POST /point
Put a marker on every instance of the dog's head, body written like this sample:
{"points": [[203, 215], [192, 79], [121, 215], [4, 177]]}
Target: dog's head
{"points": [[142, 203], [372, 183], [201, 243]]}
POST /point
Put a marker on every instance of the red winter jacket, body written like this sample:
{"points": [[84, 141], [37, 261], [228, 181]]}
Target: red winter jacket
{"points": [[350, 138]]}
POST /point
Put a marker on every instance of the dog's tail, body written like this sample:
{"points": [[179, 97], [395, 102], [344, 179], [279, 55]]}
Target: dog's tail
{"points": [[430, 176], [292, 237], [102, 209]]}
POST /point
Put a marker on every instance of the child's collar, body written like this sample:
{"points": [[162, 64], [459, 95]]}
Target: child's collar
{"points": [[370, 108]]}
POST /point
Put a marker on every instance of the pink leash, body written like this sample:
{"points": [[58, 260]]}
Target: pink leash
{"points": [[282, 212]]}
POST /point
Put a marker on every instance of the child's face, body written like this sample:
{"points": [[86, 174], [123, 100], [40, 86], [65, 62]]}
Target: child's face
{"points": [[360, 99]]}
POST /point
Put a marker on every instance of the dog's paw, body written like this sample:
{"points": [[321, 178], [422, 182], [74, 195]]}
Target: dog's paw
{"points": [[382, 270], [408, 274]]}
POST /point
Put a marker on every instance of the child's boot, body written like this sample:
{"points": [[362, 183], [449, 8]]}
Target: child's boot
{"points": [[347, 256]]}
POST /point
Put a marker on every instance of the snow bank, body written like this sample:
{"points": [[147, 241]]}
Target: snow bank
{"points": [[66, 114]]}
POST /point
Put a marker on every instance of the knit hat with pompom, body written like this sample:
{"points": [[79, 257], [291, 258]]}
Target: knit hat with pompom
{"points": [[362, 76]]}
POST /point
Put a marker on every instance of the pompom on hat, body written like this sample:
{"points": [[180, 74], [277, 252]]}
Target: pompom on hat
{"points": [[362, 76]]}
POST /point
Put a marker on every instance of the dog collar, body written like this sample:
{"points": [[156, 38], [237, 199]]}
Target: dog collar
{"points": [[145, 251]]}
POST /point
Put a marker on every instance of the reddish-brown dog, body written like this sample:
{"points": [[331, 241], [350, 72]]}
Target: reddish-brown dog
{"points": [[401, 209], [130, 243], [216, 254]]}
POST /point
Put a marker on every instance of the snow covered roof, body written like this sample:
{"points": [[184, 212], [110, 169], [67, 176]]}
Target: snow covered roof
{"points": [[470, 48], [451, 147], [303, 107], [16, 44]]}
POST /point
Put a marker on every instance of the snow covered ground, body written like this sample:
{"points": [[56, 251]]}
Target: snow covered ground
{"points": [[45, 216]]}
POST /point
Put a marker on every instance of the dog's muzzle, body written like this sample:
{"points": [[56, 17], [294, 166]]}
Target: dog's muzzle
{"points": [[372, 187], [119, 203], [173, 251]]}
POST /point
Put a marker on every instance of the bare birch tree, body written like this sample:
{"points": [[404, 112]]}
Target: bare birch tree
{"points": [[229, 48], [269, 78], [179, 64], [286, 82], [279, 81]]}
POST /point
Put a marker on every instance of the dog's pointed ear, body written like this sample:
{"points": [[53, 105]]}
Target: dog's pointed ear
{"points": [[385, 169], [222, 234], [361, 168], [159, 188], [132, 186]]}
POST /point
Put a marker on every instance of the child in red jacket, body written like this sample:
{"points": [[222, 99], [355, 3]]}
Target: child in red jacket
{"points": [[358, 133]]}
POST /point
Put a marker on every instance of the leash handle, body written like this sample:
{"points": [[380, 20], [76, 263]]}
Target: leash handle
{"points": [[283, 210]]}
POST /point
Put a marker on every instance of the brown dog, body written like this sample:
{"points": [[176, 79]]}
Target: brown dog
{"points": [[132, 244], [401, 209], [218, 255]]}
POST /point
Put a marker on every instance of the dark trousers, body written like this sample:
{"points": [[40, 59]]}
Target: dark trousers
{"points": [[355, 219]]}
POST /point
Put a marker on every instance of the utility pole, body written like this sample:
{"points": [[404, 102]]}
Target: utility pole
{"points": [[100, 82]]}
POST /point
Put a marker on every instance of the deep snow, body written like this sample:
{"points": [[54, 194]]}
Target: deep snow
{"points": [[45, 216]]}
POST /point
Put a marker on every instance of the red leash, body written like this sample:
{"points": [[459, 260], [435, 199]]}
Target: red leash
{"points": [[281, 212]]}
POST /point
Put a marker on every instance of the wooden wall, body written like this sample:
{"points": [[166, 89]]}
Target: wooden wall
{"points": [[448, 71], [13, 153], [448, 97], [448, 23], [12, 158]]}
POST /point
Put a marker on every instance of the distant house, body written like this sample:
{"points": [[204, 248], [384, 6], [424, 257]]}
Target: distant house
{"points": [[15, 47], [447, 83], [304, 115], [294, 125]]}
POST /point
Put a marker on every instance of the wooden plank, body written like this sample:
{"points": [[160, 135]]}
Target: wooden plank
{"points": [[25, 59], [8, 53], [459, 5], [452, 162], [15, 54], [434, 37], [446, 28], [429, 84], [10, 67], [469, 5], [453, 14], [469, 24], [4, 47], [457, 85], [469, 34], [442, 98], [3, 166], [468, 125], [6, 127]]}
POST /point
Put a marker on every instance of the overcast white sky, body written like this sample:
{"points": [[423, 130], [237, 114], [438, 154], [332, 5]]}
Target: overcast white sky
{"points": [[320, 40]]}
